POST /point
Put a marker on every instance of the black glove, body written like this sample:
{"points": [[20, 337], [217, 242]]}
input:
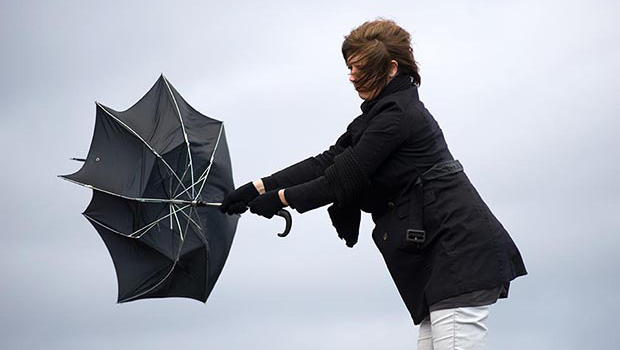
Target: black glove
{"points": [[267, 205], [236, 202]]}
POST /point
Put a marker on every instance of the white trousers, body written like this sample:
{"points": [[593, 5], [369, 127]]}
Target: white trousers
{"points": [[461, 328]]}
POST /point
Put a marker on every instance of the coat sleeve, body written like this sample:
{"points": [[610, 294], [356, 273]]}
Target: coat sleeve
{"points": [[384, 134], [308, 169]]}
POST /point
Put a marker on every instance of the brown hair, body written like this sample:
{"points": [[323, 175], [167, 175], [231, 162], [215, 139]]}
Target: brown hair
{"points": [[372, 46]]}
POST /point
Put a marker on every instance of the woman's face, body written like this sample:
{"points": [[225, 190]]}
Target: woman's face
{"points": [[355, 73], [353, 76]]}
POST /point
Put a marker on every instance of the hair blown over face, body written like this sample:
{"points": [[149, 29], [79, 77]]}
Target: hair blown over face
{"points": [[372, 46]]}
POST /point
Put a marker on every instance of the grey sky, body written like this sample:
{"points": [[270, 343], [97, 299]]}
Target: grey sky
{"points": [[525, 91]]}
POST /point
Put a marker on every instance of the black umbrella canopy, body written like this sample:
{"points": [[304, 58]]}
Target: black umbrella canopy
{"points": [[157, 171]]}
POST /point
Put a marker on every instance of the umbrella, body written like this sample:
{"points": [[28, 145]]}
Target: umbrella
{"points": [[157, 171]]}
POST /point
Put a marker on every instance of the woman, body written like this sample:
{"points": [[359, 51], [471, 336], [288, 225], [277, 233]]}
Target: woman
{"points": [[448, 255]]}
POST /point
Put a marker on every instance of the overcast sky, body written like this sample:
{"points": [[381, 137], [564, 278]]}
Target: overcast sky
{"points": [[525, 91]]}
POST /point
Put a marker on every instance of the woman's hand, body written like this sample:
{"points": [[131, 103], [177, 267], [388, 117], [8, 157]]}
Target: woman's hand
{"points": [[268, 204], [237, 201]]}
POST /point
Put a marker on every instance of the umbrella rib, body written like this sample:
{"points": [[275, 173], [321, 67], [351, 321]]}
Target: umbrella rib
{"points": [[193, 185], [177, 188], [187, 225], [152, 224], [201, 233], [188, 222], [181, 236], [189, 153], [205, 174], [192, 220], [138, 199], [170, 211], [144, 228], [106, 226], [174, 264], [141, 139]]}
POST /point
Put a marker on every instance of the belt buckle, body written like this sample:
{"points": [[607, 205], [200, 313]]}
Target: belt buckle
{"points": [[416, 236]]}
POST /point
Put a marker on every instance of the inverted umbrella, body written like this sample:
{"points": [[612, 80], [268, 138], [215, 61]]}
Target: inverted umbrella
{"points": [[157, 171]]}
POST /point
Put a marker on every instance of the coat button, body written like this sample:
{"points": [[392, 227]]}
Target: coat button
{"points": [[385, 236], [391, 204]]}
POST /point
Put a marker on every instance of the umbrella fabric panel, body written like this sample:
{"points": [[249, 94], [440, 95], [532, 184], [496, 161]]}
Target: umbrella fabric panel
{"points": [[170, 177], [160, 261], [221, 232], [188, 279], [155, 224], [142, 272], [117, 161], [220, 229], [170, 229], [154, 118], [219, 179], [139, 269], [203, 136]]}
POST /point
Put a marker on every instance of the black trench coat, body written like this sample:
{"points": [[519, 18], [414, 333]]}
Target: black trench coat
{"points": [[438, 238]]}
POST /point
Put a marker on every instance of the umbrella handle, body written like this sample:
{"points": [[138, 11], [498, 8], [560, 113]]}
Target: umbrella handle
{"points": [[289, 221]]}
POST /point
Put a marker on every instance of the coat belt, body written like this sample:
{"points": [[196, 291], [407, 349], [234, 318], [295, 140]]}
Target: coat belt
{"points": [[440, 169], [416, 232]]}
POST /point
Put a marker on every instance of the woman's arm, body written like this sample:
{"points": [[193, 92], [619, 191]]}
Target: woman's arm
{"points": [[304, 171], [384, 134], [300, 172], [261, 189], [282, 198]]}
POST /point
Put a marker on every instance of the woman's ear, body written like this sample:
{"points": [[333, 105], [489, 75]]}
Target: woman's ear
{"points": [[393, 68]]}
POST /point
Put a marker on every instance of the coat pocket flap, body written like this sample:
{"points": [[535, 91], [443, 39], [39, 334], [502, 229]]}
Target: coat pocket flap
{"points": [[404, 208]]}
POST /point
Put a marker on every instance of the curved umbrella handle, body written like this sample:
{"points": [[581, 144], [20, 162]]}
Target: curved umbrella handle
{"points": [[289, 221]]}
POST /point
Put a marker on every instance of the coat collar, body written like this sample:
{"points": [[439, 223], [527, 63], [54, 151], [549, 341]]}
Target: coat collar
{"points": [[398, 83]]}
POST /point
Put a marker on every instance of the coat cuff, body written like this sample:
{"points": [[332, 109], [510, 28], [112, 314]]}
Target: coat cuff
{"points": [[309, 195], [270, 183], [292, 175]]}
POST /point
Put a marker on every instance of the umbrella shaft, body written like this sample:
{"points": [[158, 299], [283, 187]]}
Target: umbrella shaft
{"points": [[194, 203]]}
